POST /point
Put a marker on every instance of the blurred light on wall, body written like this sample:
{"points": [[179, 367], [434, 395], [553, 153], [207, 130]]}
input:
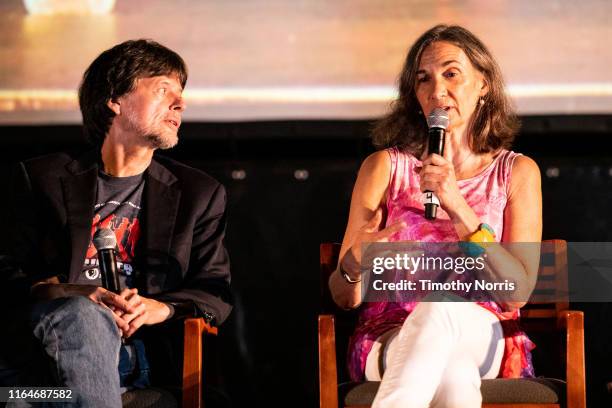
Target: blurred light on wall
{"points": [[300, 59], [50, 7]]}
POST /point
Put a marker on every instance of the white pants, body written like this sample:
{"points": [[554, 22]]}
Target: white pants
{"points": [[437, 358]]}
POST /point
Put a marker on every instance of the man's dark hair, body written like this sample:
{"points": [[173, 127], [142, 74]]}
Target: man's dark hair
{"points": [[494, 123], [114, 73]]}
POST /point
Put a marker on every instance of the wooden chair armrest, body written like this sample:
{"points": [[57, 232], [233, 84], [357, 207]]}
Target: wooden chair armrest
{"points": [[328, 374], [192, 360], [573, 323]]}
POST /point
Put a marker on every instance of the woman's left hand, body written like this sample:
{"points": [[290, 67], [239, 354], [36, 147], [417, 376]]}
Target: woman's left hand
{"points": [[438, 175]]}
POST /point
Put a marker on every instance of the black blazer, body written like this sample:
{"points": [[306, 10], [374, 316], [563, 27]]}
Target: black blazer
{"points": [[180, 255]]}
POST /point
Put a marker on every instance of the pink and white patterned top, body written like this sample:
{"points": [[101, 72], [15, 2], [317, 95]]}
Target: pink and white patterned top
{"points": [[487, 194]]}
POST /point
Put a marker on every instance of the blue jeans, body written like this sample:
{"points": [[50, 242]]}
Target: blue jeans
{"points": [[83, 342]]}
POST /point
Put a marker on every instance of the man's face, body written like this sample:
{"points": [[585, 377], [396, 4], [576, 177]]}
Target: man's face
{"points": [[152, 111]]}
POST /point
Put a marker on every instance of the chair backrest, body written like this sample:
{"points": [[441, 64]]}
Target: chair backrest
{"points": [[328, 261], [550, 295], [538, 317], [548, 298], [345, 321]]}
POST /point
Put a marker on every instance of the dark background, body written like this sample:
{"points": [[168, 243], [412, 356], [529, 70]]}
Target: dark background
{"points": [[289, 186]]}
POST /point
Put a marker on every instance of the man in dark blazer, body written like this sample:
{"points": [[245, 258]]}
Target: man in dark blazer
{"points": [[169, 220]]}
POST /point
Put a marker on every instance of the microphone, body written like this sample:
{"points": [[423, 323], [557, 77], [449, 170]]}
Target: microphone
{"points": [[105, 242], [437, 122]]}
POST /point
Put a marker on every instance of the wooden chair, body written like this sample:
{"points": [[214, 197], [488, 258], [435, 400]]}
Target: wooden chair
{"points": [[195, 328], [542, 320]]}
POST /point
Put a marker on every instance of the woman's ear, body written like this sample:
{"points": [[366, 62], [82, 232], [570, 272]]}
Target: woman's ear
{"points": [[114, 105], [484, 89]]}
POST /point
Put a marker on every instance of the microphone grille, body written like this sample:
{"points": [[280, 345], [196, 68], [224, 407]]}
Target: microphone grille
{"points": [[104, 238], [438, 118]]}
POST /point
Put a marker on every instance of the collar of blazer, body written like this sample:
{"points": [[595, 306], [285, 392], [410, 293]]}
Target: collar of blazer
{"points": [[162, 198], [91, 160]]}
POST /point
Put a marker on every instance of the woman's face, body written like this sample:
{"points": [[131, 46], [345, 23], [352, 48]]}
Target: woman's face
{"points": [[447, 79]]}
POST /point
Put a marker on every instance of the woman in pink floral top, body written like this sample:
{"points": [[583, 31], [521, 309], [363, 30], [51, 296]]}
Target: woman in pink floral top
{"points": [[435, 353]]}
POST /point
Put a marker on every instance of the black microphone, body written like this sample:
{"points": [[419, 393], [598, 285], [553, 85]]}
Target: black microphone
{"points": [[437, 121], [105, 242]]}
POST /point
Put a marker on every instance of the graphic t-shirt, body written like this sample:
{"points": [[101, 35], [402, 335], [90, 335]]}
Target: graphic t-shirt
{"points": [[118, 207]]}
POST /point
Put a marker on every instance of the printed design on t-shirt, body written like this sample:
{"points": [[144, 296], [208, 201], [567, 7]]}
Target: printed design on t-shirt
{"points": [[127, 233]]}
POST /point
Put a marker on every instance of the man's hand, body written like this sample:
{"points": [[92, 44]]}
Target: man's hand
{"points": [[129, 309], [141, 311], [118, 305], [50, 289]]}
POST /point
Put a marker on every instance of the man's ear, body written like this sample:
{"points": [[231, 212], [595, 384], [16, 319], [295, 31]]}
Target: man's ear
{"points": [[114, 105]]}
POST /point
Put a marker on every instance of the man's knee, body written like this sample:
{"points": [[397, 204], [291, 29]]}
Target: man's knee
{"points": [[82, 306], [89, 316], [80, 316]]}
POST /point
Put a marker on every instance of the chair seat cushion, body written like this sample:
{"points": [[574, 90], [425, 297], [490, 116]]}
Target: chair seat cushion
{"points": [[523, 390], [500, 391], [148, 398]]}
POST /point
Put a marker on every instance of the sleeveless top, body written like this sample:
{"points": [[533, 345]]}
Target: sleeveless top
{"points": [[487, 194]]}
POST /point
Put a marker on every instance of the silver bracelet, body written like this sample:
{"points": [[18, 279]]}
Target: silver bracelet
{"points": [[346, 276]]}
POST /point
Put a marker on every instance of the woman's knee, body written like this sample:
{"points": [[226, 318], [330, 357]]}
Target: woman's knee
{"points": [[457, 395], [453, 315], [459, 387], [443, 314]]}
